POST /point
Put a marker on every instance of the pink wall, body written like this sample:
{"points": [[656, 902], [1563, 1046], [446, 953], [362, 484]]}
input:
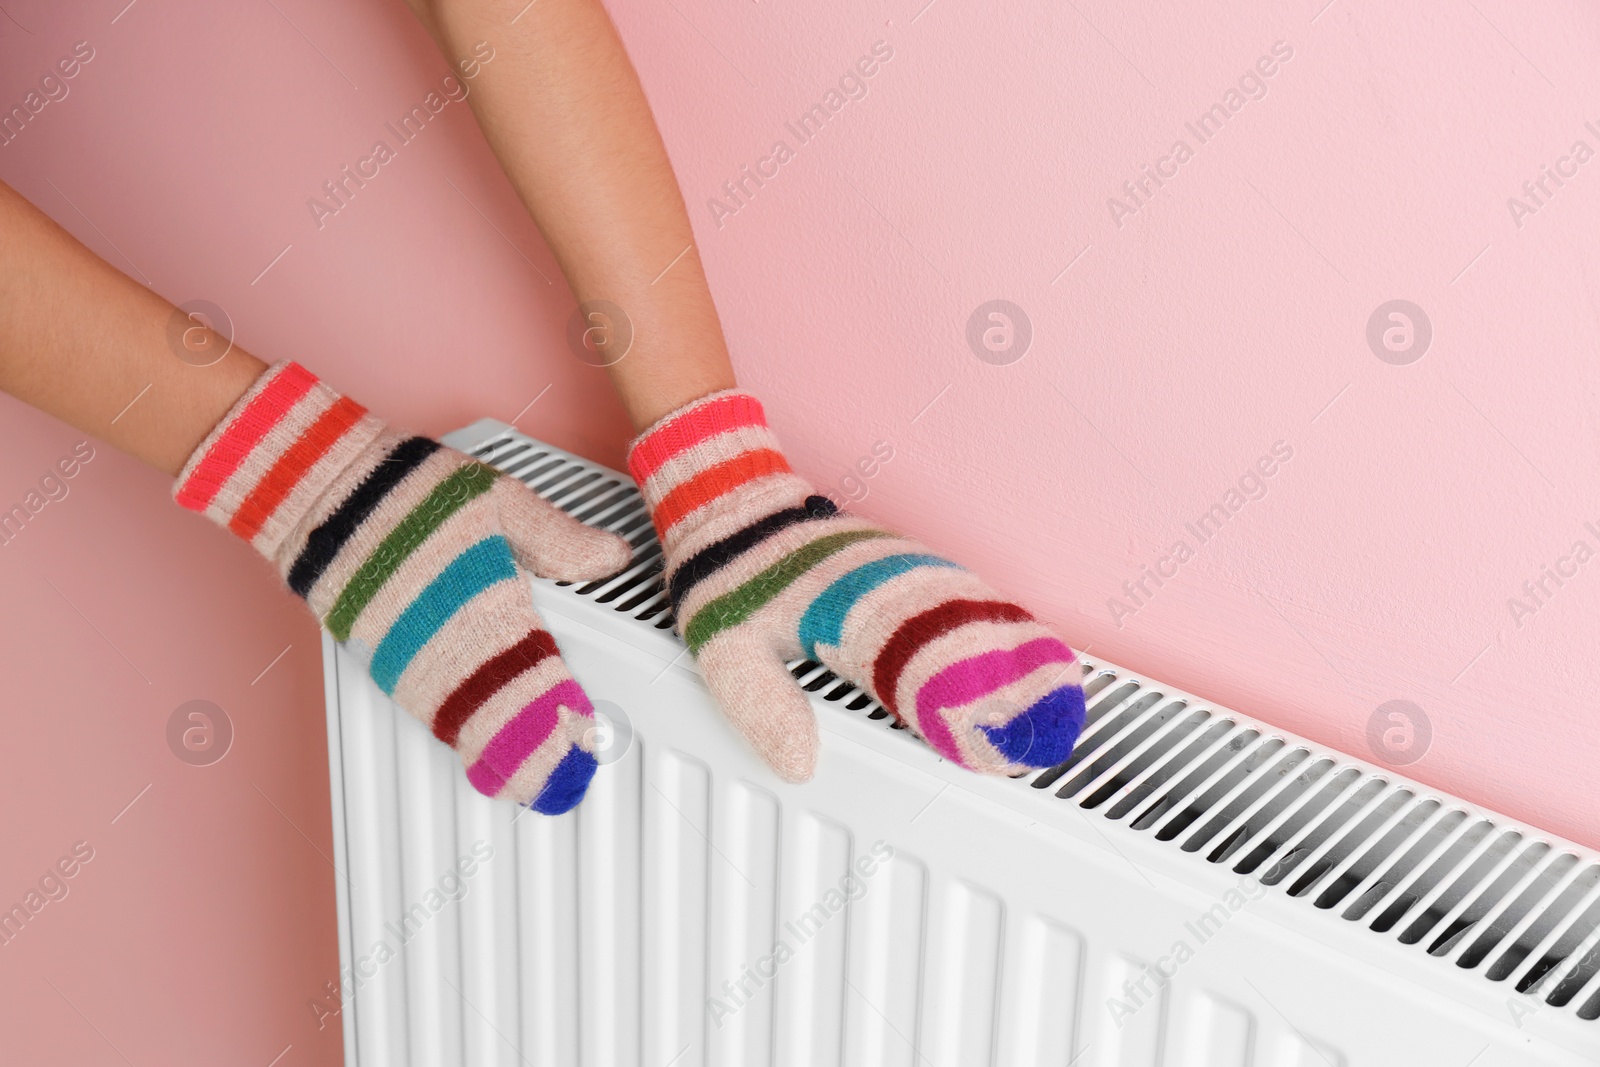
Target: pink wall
{"points": [[1172, 347]]}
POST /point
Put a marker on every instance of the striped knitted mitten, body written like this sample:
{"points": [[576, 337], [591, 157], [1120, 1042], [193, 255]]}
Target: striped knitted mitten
{"points": [[412, 555], [761, 570]]}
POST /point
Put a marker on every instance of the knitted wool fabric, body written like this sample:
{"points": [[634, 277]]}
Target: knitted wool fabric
{"points": [[760, 569], [412, 555]]}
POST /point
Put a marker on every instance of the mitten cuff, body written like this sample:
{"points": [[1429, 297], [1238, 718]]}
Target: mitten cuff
{"points": [[283, 442], [714, 448]]}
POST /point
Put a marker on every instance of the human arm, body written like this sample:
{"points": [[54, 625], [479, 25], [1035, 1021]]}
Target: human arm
{"points": [[411, 554], [563, 110], [81, 340], [759, 568]]}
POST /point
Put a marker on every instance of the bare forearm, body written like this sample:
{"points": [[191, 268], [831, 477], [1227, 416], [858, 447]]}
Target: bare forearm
{"points": [[562, 109], [81, 341]]}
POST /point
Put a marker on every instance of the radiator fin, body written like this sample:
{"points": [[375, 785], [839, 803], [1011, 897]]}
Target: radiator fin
{"points": [[1040, 1003], [883, 1000], [819, 885], [676, 911], [1137, 1001], [1222, 1034], [961, 975]]}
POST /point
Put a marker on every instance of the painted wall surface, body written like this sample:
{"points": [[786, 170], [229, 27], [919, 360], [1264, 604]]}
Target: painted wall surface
{"points": [[1198, 323]]}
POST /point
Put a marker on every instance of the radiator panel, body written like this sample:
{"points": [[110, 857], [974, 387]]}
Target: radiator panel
{"points": [[696, 910]]}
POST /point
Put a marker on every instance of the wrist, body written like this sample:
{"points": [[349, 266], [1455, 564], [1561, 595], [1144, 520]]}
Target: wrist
{"points": [[273, 454], [710, 468]]}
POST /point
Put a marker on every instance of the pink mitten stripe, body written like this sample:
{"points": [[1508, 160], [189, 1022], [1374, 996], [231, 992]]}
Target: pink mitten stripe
{"points": [[920, 629], [680, 433], [227, 453], [490, 677], [525, 732], [978, 676]]}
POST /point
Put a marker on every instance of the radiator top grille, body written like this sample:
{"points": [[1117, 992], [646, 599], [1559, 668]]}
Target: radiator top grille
{"points": [[1312, 823]]}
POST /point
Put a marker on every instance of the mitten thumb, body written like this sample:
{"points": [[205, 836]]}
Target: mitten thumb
{"points": [[760, 697], [551, 543]]}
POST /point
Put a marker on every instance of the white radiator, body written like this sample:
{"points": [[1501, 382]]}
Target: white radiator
{"points": [[1193, 888]]}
